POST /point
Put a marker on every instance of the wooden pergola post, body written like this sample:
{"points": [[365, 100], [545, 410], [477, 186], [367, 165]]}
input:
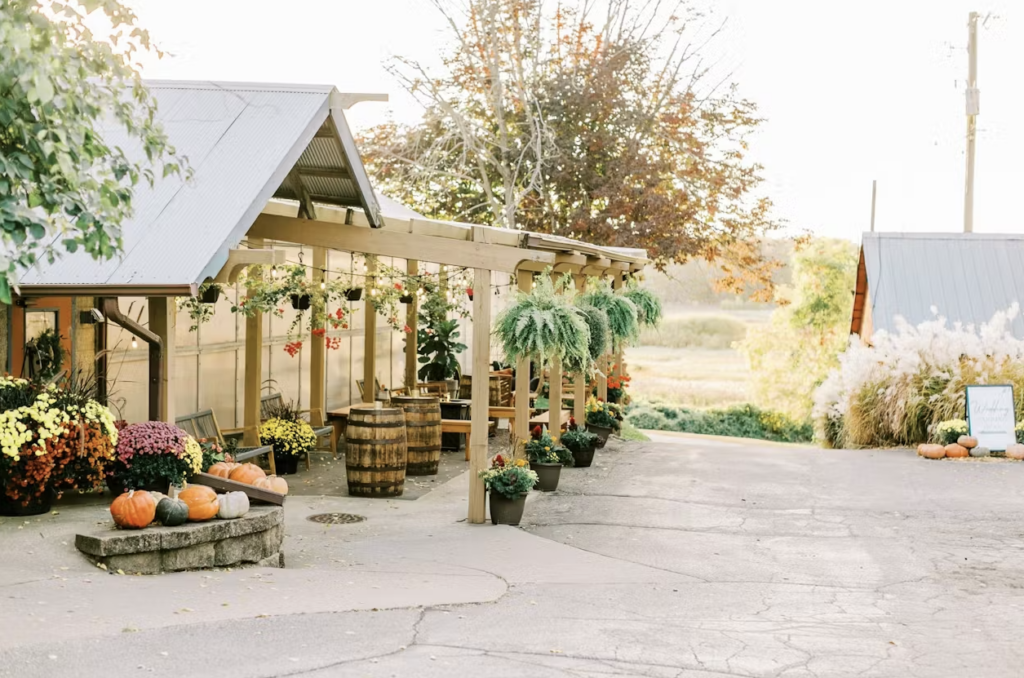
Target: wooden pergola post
{"points": [[579, 398], [370, 334], [524, 282], [253, 370], [555, 398], [318, 350], [481, 386], [162, 320], [411, 319], [617, 283]]}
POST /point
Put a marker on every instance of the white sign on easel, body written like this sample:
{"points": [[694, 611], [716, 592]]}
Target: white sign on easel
{"points": [[991, 417]]}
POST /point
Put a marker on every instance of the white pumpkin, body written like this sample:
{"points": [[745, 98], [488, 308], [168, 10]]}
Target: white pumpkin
{"points": [[233, 505]]}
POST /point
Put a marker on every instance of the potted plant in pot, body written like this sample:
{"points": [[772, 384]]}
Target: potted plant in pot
{"points": [[581, 443], [601, 420], [437, 339], [152, 455], [508, 481], [547, 458], [290, 436]]}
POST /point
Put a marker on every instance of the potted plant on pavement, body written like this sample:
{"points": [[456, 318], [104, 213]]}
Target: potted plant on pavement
{"points": [[152, 455], [601, 420], [290, 436], [581, 443], [547, 458], [508, 481]]}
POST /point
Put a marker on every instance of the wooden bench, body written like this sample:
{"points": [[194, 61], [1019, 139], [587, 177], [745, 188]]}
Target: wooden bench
{"points": [[542, 419], [203, 426], [463, 426], [272, 402]]}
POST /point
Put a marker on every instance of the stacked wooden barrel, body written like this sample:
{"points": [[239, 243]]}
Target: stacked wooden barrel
{"points": [[422, 432], [376, 451]]}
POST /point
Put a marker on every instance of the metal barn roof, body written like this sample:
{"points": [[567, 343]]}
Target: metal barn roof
{"points": [[967, 277], [246, 143]]}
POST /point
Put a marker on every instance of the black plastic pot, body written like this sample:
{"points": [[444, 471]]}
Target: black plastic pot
{"points": [[602, 433], [37, 506], [354, 294], [547, 475], [286, 464], [210, 295], [405, 298], [505, 511], [585, 457], [300, 302], [117, 488]]}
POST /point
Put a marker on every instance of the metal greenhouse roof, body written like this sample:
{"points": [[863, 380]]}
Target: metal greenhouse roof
{"points": [[246, 143], [967, 277]]}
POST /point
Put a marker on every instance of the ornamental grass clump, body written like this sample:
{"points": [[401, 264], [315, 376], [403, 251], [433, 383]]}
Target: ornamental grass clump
{"points": [[543, 324], [509, 478], [623, 318], [154, 453], [897, 391]]}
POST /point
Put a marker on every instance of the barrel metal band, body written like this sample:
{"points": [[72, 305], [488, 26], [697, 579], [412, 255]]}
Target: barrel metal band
{"points": [[376, 424], [398, 467], [374, 441]]}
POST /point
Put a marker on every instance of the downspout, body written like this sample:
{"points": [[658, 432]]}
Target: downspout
{"points": [[112, 312]]}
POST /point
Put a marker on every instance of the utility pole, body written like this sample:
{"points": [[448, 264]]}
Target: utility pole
{"points": [[972, 114], [874, 196]]}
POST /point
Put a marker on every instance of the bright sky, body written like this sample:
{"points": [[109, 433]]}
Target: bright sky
{"points": [[871, 91]]}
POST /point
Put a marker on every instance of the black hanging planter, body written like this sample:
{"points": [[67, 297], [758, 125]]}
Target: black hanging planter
{"points": [[300, 302], [405, 298], [210, 295], [354, 294]]}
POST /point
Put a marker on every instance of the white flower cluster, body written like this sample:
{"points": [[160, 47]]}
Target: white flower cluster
{"points": [[918, 367]]}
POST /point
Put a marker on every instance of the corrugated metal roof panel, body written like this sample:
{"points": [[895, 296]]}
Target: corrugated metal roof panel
{"points": [[967, 277], [241, 140]]}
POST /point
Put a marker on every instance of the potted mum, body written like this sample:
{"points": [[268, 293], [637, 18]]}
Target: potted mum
{"points": [[152, 455], [546, 458], [581, 443], [601, 420], [508, 481], [290, 436]]}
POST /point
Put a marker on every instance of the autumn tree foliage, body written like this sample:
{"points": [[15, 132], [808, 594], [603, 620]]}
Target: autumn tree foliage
{"points": [[592, 121]]}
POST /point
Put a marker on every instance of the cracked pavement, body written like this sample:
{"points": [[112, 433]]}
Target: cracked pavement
{"points": [[677, 558]]}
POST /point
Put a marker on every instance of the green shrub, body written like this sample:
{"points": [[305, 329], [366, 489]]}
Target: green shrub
{"points": [[740, 421]]}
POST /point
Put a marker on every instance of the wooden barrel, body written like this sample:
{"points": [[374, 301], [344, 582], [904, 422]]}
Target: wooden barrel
{"points": [[375, 452], [466, 387], [422, 433]]}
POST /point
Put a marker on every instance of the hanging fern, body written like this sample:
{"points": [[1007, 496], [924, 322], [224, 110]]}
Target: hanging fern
{"points": [[597, 321], [623, 322], [543, 325], [648, 306]]}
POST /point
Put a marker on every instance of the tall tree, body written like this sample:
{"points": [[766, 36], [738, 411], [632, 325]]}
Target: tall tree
{"points": [[599, 125], [61, 186]]}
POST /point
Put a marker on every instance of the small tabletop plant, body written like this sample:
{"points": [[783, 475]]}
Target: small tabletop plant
{"points": [[154, 453], [600, 413], [509, 478], [542, 449]]}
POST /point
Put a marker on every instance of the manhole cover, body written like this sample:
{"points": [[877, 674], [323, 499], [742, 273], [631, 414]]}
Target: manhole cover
{"points": [[337, 518]]}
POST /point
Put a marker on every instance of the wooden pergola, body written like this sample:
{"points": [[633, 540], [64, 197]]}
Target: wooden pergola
{"points": [[480, 248]]}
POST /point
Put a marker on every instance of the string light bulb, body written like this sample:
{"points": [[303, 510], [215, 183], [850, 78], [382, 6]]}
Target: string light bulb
{"points": [[273, 271], [135, 342], [323, 279]]}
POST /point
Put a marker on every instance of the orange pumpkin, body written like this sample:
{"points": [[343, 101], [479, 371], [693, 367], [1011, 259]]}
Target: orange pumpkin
{"points": [[273, 483], [955, 451], [932, 451], [247, 473], [970, 442], [222, 469], [202, 502], [1015, 451], [133, 510]]}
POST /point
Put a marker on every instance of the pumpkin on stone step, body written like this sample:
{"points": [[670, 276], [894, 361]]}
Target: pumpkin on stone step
{"points": [[171, 512], [222, 469], [273, 483], [932, 451], [1015, 451], [247, 473], [233, 505], [955, 451], [980, 451], [133, 510], [970, 442], [202, 502]]}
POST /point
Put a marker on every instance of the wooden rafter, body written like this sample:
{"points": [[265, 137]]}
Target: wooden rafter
{"points": [[239, 259]]}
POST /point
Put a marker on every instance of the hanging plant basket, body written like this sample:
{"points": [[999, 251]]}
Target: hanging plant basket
{"points": [[210, 295], [354, 294], [300, 302], [405, 298]]}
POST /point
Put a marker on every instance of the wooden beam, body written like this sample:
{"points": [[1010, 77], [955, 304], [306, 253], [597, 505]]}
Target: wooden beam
{"points": [[596, 266], [162, 319], [253, 370], [239, 259], [369, 335], [580, 390], [411, 319], [306, 208], [481, 393], [617, 282], [555, 394], [318, 351], [524, 282], [569, 263], [388, 243], [324, 172], [224, 485]]}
